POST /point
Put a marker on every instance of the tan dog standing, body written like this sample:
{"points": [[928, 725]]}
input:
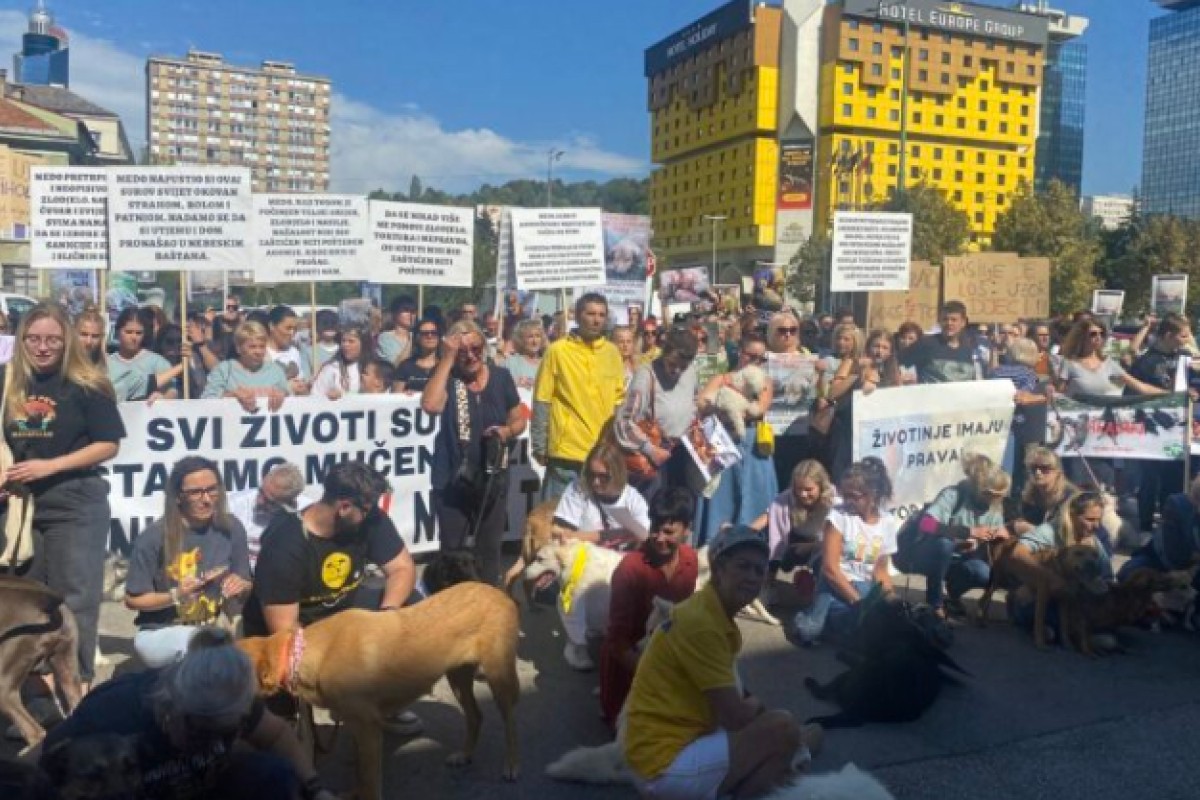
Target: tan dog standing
{"points": [[363, 665]]}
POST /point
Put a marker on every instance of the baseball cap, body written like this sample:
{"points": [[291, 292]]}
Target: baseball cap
{"points": [[737, 536]]}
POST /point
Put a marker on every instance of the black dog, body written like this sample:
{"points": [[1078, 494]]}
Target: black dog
{"points": [[895, 670], [447, 569]]}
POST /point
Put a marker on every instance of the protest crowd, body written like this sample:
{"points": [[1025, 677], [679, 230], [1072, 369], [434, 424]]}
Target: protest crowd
{"points": [[655, 438]]}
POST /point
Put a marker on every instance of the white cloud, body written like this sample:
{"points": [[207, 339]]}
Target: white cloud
{"points": [[371, 148]]}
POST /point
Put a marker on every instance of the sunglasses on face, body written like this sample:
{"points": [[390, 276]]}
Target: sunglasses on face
{"points": [[471, 351], [427, 333], [787, 331], [1096, 334], [1042, 469]]}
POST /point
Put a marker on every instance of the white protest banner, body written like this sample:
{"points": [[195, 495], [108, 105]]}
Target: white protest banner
{"points": [[558, 248], [422, 244], [921, 432], [871, 251], [1148, 428], [794, 379], [388, 432], [68, 209], [309, 237], [179, 218]]}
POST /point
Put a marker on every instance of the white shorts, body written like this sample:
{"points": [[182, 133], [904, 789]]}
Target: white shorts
{"points": [[695, 774]]}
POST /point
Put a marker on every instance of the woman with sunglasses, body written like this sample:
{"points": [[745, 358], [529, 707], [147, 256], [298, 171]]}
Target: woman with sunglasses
{"points": [[1084, 370], [188, 566], [61, 423], [481, 417], [946, 541], [783, 338], [413, 373]]}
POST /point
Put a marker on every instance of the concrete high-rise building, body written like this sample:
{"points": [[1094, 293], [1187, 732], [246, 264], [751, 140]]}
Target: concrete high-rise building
{"points": [[974, 78], [273, 120], [1170, 156], [45, 58], [1064, 100]]}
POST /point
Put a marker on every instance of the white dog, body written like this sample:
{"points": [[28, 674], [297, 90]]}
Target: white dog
{"points": [[585, 571], [738, 396]]}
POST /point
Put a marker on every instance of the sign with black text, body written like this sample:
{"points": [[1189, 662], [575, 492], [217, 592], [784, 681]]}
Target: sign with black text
{"points": [[309, 237], [558, 248], [871, 251], [68, 209], [416, 243]]}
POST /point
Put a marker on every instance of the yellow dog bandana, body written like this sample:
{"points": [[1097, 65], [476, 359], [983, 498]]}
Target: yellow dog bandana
{"points": [[567, 597]]}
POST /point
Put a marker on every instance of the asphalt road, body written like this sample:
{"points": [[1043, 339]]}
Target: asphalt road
{"points": [[1027, 725]]}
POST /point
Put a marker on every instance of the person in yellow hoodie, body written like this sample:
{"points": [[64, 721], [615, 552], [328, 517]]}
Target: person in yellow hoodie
{"points": [[692, 732], [579, 385]]}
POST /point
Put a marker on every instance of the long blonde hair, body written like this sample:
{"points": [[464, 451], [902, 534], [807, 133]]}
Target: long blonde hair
{"points": [[986, 476], [1036, 454], [810, 470], [75, 367]]}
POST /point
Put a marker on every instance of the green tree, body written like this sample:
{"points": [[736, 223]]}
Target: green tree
{"points": [[809, 268], [1149, 246], [415, 190], [939, 228], [1051, 225]]}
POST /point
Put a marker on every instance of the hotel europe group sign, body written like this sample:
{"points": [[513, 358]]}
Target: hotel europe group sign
{"points": [[961, 18]]}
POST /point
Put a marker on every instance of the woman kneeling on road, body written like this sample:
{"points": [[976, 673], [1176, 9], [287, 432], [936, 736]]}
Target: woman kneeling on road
{"points": [[187, 566], [692, 730]]}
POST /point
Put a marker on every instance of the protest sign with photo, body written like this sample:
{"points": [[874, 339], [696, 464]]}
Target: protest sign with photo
{"points": [[179, 218], [1107, 302], [1168, 294], [309, 237], [73, 289], [921, 433], [626, 250], [416, 243], [795, 380], [729, 298], [889, 310], [388, 432], [558, 248], [685, 285], [767, 289], [871, 251], [1150, 428], [712, 448], [999, 287], [68, 209]]}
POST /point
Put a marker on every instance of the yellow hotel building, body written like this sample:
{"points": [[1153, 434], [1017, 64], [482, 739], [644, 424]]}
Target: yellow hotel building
{"points": [[974, 80], [713, 95]]}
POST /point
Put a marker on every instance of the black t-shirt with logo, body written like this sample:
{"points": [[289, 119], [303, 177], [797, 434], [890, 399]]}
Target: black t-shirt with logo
{"points": [[938, 362], [60, 417], [123, 706], [321, 574]]}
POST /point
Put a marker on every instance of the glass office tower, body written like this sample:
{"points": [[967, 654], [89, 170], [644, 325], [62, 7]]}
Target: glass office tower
{"points": [[1171, 155], [1060, 138]]}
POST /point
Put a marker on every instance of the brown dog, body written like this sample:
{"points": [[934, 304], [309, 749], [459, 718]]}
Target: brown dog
{"points": [[362, 665], [1061, 574], [539, 529], [1127, 602], [35, 625]]}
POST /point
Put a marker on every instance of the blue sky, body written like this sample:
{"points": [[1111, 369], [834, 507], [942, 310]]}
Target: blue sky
{"points": [[467, 92]]}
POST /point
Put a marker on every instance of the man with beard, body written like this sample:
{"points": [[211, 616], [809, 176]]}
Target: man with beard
{"points": [[312, 564], [663, 566]]}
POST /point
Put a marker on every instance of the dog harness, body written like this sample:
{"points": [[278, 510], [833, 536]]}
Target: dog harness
{"points": [[567, 597], [290, 658]]}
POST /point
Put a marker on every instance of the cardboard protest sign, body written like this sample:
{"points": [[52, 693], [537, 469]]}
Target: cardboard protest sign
{"points": [[557, 248], [179, 218], [999, 287], [889, 310], [921, 432], [68, 209], [421, 244], [1152, 428], [309, 237]]}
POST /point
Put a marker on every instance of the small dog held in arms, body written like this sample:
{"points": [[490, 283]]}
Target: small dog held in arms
{"points": [[35, 626], [735, 398], [362, 665]]}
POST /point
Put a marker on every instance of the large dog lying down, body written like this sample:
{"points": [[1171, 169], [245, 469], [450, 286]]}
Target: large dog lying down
{"points": [[35, 625], [588, 569], [362, 665], [895, 670], [1127, 602]]}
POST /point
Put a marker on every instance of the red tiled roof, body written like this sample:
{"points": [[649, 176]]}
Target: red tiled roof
{"points": [[13, 116]]}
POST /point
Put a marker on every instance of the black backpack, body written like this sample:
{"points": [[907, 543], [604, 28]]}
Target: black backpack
{"points": [[910, 534]]}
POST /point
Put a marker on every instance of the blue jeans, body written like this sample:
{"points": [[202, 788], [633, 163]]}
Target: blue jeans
{"points": [[935, 558], [842, 616]]}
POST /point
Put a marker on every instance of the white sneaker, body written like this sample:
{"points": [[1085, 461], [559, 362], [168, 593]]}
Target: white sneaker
{"points": [[403, 723], [577, 657]]}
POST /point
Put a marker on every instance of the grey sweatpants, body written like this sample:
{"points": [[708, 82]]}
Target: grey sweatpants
{"points": [[70, 538]]}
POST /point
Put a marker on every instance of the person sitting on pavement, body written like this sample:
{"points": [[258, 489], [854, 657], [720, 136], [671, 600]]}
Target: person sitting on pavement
{"points": [[664, 566], [312, 564], [600, 506], [795, 523], [950, 531], [188, 566], [197, 728], [1175, 542], [692, 730], [858, 542], [280, 491]]}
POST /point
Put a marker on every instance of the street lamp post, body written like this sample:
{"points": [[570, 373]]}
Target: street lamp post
{"points": [[714, 219], [552, 155]]}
